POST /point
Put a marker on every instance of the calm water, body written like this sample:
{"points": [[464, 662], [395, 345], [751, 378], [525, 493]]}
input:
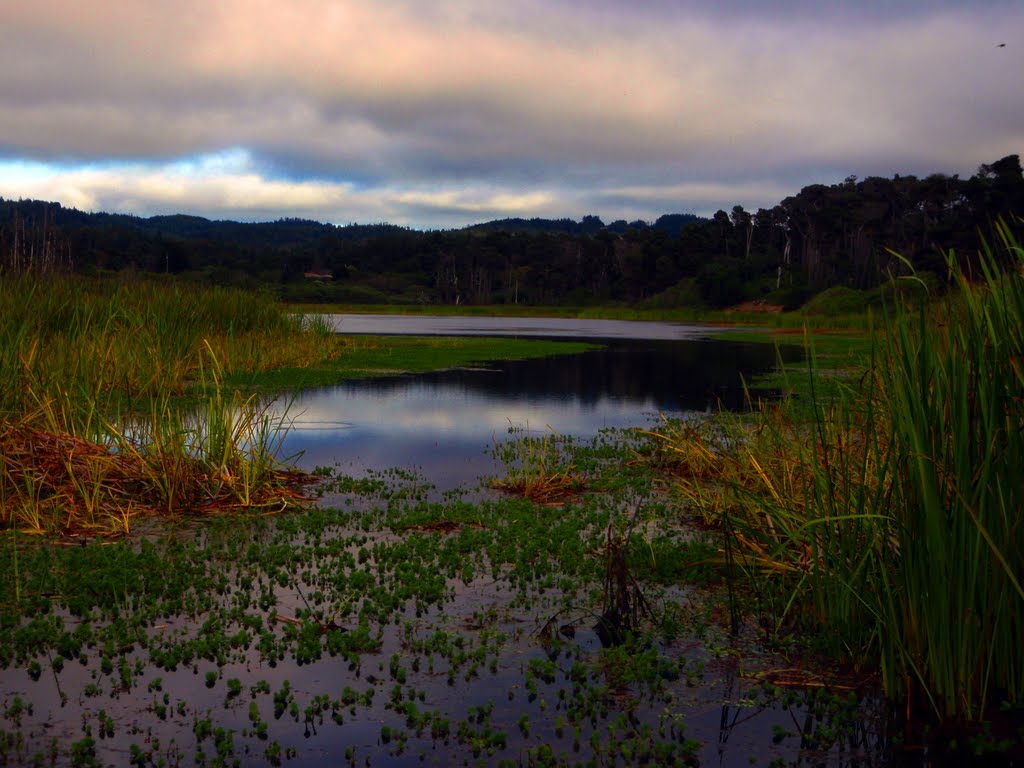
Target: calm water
{"points": [[443, 422]]}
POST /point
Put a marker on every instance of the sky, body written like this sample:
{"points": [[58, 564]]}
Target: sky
{"points": [[440, 113]]}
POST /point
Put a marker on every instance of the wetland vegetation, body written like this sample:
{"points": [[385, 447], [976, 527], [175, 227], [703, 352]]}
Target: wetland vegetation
{"points": [[123, 397], [833, 578]]}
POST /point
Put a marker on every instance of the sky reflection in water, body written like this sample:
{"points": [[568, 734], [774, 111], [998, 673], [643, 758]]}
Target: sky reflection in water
{"points": [[443, 422]]}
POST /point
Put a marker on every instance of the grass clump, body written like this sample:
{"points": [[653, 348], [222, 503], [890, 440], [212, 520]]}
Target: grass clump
{"points": [[92, 343], [537, 467], [92, 427]]}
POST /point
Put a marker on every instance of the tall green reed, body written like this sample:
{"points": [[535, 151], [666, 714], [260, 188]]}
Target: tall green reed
{"points": [[890, 524], [125, 338], [955, 396]]}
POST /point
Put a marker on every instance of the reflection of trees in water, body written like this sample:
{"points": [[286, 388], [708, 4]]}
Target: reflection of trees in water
{"points": [[671, 375]]}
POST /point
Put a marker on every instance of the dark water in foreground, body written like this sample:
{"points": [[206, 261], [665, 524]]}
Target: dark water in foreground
{"points": [[442, 422]]}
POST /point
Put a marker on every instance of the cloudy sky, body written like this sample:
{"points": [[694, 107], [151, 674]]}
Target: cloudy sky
{"points": [[439, 113]]}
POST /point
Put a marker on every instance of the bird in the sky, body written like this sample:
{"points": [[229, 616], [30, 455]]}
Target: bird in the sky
{"points": [[1001, 45]]}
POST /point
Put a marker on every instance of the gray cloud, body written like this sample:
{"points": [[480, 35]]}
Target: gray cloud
{"points": [[452, 111]]}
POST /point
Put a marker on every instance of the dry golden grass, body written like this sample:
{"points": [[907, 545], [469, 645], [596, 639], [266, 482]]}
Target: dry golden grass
{"points": [[57, 483]]}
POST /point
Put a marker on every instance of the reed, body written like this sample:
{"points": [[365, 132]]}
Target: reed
{"points": [[91, 423], [537, 467], [135, 337], [889, 525], [954, 392]]}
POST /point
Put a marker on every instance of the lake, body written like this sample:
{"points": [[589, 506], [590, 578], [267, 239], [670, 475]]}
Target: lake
{"points": [[443, 422]]}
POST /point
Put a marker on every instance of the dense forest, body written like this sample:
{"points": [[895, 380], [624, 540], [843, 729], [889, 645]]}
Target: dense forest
{"points": [[845, 234]]}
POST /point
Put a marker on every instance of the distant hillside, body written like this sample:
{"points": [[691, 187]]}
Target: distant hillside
{"points": [[588, 225], [283, 232], [671, 223]]}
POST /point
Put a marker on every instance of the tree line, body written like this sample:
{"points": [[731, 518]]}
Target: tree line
{"points": [[826, 235]]}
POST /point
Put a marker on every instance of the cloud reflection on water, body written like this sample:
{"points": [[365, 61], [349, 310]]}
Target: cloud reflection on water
{"points": [[443, 422], [440, 429]]}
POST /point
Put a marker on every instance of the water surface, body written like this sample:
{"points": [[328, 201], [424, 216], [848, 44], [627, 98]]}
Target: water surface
{"points": [[443, 422], [549, 327]]}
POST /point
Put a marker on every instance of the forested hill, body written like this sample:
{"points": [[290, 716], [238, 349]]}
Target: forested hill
{"points": [[825, 235], [670, 223], [287, 233]]}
